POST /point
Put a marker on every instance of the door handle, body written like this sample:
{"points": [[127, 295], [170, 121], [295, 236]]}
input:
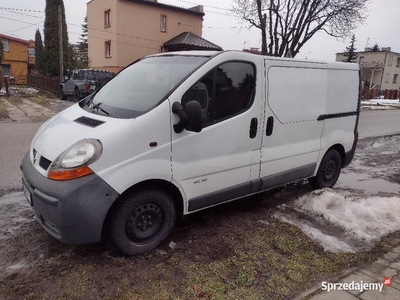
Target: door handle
{"points": [[270, 126], [253, 128]]}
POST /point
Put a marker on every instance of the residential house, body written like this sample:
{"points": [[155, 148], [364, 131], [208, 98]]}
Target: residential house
{"points": [[380, 69], [18, 57], [122, 31]]}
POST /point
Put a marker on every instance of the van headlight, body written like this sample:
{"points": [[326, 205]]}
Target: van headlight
{"points": [[73, 162]]}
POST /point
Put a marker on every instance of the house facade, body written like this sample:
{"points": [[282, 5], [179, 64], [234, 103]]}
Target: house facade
{"points": [[381, 69], [19, 57], [122, 31]]}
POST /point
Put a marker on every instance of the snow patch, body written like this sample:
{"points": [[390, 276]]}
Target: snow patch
{"points": [[363, 219], [381, 101], [328, 242], [16, 266], [27, 90], [14, 213]]}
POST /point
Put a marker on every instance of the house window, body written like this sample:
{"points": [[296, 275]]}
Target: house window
{"points": [[31, 52], [361, 60], [107, 18], [395, 78], [163, 23], [108, 48], [387, 76], [390, 63], [398, 62], [6, 69], [5, 46]]}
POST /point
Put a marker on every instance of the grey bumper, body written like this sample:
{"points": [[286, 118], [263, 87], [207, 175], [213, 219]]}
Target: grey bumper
{"points": [[72, 211]]}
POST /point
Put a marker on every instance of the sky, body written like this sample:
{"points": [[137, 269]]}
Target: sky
{"points": [[21, 18]]}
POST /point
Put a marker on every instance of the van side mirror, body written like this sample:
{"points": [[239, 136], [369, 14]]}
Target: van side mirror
{"points": [[195, 117], [190, 117]]}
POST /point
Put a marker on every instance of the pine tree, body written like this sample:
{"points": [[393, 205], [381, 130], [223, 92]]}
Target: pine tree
{"points": [[350, 53], [83, 57], [40, 65], [376, 48], [51, 39]]}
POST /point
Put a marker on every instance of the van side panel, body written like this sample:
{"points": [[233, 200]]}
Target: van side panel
{"points": [[342, 107], [296, 96]]}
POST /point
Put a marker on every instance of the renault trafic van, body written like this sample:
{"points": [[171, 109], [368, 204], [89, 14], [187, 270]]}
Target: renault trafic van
{"points": [[176, 133]]}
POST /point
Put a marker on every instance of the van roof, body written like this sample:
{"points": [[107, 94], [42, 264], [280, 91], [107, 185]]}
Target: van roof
{"points": [[329, 65]]}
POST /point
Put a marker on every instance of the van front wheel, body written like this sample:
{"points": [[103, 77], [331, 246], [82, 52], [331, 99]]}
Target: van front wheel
{"points": [[141, 222], [328, 171]]}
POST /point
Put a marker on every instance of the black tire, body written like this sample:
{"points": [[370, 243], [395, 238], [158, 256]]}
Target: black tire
{"points": [[141, 222], [328, 171], [62, 95], [77, 95]]}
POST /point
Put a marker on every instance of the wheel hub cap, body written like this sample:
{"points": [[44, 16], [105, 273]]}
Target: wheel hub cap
{"points": [[144, 222]]}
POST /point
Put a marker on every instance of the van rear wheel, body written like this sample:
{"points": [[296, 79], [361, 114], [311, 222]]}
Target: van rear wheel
{"points": [[328, 171], [141, 222]]}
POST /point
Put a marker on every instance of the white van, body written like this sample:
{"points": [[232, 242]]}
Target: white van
{"points": [[175, 133]]}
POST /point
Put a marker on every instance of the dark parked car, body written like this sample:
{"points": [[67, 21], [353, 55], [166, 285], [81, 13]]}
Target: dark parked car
{"points": [[83, 82]]}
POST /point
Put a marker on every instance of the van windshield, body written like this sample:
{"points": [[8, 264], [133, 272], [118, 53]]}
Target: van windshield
{"points": [[143, 85]]}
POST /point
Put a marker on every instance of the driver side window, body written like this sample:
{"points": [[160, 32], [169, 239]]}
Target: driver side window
{"points": [[224, 92]]}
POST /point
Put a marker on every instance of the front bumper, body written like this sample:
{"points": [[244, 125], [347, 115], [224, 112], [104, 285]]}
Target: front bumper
{"points": [[72, 211]]}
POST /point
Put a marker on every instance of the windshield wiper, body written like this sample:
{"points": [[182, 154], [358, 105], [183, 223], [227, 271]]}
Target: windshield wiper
{"points": [[97, 107]]}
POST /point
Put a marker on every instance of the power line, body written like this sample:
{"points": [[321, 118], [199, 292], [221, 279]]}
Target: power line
{"points": [[91, 36], [22, 28], [21, 9], [216, 7]]}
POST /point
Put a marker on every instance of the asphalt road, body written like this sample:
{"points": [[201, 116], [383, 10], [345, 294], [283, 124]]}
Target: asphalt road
{"points": [[379, 122], [15, 139]]}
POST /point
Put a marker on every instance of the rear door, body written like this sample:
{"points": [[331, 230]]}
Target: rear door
{"points": [[296, 97], [219, 163]]}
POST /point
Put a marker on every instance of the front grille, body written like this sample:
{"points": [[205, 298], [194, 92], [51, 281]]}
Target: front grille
{"points": [[44, 163]]}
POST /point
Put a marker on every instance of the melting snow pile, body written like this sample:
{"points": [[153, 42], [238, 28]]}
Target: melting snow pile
{"points": [[14, 213], [363, 220], [380, 104]]}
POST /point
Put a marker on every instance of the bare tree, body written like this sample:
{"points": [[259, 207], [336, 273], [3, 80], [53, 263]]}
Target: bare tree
{"points": [[286, 25]]}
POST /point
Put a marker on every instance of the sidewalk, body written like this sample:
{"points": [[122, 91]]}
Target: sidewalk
{"points": [[29, 111], [386, 266]]}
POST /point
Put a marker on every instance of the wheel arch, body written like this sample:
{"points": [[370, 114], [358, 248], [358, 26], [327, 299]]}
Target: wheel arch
{"points": [[339, 148], [160, 184]]}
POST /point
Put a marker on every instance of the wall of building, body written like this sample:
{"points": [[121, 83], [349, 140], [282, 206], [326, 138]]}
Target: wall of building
{"points": [[391, 68], [17, 59], [135, 33], [98, 34], [383, 78]]}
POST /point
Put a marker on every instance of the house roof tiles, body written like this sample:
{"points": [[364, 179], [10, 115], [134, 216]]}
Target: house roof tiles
{"points": [[13, 38], [191, 39]]}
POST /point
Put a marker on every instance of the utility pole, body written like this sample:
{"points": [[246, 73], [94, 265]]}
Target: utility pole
{"points": [[60, 42]]}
